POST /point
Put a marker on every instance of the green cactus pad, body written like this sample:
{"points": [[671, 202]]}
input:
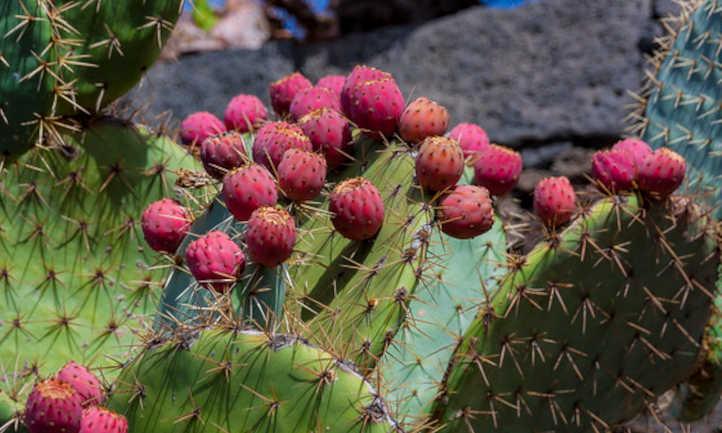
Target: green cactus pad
{"points": [[231, 381], [588, 329]]}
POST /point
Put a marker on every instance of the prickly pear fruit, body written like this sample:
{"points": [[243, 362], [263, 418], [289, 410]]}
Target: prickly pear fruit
{"points": [[376, 105], [614, 170], [662, 172], [635, 148], [215, 261], [466, 212], [554, 201], [311, 99], [244, 113], [101, 420], [247, 188], [359, 74], [222, 153], [84, 382], [284, 90], [53, 407], [497, 168], [334, 83], [423, 118], [471, 137], [274, 139], [330, 133], [165, 223], [198, 126], [270, 236], [439, 163], [357, 209], [301, 174]]}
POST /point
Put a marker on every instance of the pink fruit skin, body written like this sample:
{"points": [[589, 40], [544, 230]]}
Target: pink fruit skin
{"points": [[423, 118], [301, 174], [312, 99], [554, 201], [357, 209], [215, 261], [439, 163], [376, 106], [270, 236], [466, 212], [100, 420], [244, 113], [635, 148], [662, 172], [329, 133], [274, 139], [284, 90], [472, 138], [613, 170], [497, 168], [198, 126], [248, 188], [165, 223], [53, 407], [223, 153], [84, 382], [359, 74], [334, 83]]}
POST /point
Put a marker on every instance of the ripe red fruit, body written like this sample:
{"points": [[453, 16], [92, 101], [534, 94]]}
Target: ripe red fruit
{"points": [[614, 170], [84, 382], [334, 83], [497, 168], [423, 118], [198, 126], [554, 201], [247, 188], [244, 113], [53, 407], [165, 223], [330, 133], [662, 172], [439, 163], [357, 209], [274, 139], [270, 236], [472, 138], [301, 174], [375, 105], [315, 98], [101, 420], [636, 149], [359, 74], [466, 212], [284, 90], [215, 261], [222, 153]]}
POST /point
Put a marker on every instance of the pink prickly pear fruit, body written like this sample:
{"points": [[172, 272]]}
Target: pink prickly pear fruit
{"points": [[613, 170], [334, 83], [497, 168], [439, 163], [247, 188], [215, 261], [636, 149], [198, 126], [423, 118], [466, 212], [223, 153], [274, 139], [101, 420], [270, 236], [53, 407], [165, 223], [554, 201], [284, 90], [471, 137], [330, 133], [357, 209], [311, 99], [301, 174], [376, 106], [359, 74], [662, 172], [84, 382], [244, 113]]}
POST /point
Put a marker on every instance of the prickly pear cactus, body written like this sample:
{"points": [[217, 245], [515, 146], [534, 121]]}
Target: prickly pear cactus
{"points": [[62, 57]]}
